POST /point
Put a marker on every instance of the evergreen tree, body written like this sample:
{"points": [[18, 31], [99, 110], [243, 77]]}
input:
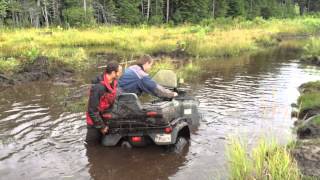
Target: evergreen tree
{"points": [[236, 8], [3, 8], [313, 5], [128, 11], [221, 8], [77, 12], [157, 15], [41, 13], [191, 11]]}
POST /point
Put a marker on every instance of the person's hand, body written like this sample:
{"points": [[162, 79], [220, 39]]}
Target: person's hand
{"points": [[104, 130], [175, 94]]}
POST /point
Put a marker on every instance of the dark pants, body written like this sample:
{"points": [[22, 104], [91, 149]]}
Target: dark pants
{"points": [[93, 135]]}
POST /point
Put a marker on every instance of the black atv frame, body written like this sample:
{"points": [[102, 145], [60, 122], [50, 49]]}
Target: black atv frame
{"points": [[164, 121]]}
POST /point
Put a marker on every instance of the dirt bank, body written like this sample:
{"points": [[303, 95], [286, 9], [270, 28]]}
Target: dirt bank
{"points": [[40, 69], [313, 60], [307, 150]]}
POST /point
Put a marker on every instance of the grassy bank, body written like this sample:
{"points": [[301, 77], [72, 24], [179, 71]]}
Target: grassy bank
{"points": [[309, 99], [307, 153], [218, 38], [298, 160], [313, 47], [311, 53], [267, 161]]}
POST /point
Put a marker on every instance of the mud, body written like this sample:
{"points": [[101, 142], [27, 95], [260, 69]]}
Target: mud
{"points": [[313, 60], [41, 69], [307, 154], [309, 129]]}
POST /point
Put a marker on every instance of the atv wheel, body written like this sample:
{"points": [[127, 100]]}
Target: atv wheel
{"points": [[126, 144], [180, 145]]}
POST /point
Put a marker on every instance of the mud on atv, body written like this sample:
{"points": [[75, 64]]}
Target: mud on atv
{"points": [[164, 122]]}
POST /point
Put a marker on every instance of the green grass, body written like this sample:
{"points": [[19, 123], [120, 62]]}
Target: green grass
{"points": [[310, 87], [309, 101], [9, 65], [313, 47], [316, 120], [162, 64], [310, 95], [223, 37], [267, 161]]}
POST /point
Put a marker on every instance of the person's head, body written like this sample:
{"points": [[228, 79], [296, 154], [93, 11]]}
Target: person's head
{"points": [[114, 70], [146, 62]]}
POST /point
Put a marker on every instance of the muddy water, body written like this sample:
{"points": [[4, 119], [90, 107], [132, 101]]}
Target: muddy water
{"points": [[246, 96]]}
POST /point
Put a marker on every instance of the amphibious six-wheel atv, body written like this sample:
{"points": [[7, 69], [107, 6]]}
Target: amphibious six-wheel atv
{"points": [[160, 122]]}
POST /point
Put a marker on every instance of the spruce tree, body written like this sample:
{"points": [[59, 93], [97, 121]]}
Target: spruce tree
{"points": [[221, 8], [128, 11], [236, 8], [191, 11]]}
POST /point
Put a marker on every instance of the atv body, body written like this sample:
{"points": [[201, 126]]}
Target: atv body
{"points": [[161, 122]]}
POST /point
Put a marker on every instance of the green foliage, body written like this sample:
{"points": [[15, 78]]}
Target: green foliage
{"points": [[214, 38], [236, 8], [76, 16], [191, 11], [128, 12], [313, 47], [163, 64], [267, 161], [32, 53], [309, 101], [156, 13], [3, 8], [88, 12], [310, 87], [316, 120], [221, 8], [9, 65]]}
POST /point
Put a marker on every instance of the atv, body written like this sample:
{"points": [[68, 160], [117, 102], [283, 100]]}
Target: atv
{"points": [[163, 121]]}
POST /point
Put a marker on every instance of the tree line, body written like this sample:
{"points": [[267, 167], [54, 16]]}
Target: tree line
{"points": [[45, 13]]}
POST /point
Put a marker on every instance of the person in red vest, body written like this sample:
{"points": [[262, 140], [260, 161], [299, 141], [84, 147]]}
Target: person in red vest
{"points": [[103, 93]]}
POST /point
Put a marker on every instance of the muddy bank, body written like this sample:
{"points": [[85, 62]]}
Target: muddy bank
{"points": [[307, 154], [41, 69], [44, 69], [307, 150], [313, 60], [284, 36]]}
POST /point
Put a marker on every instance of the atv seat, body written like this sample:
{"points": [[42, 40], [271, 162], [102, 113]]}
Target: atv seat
{"points": [[128, 103]]}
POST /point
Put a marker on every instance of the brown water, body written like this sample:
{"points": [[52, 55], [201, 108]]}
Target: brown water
{"points": [[248, 97]]}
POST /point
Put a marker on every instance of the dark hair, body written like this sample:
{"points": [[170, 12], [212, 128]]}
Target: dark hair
{"points": [[112, 66], [144, 59]]}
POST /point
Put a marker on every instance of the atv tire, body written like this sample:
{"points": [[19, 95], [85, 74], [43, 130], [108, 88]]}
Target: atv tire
{"points": [[180, 145]]}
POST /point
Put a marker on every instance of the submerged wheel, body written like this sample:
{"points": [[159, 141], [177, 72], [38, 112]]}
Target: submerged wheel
{"points": [[126, 144], [180, 145]]}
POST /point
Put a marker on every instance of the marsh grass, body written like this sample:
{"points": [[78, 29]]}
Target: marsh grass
{"points": [[219, 38], [309, 101], [310, 87], [310, 96], [312, 48], [266, 161]]}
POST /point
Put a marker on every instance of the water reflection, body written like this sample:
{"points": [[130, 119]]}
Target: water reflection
{"points": [[140, 163]]}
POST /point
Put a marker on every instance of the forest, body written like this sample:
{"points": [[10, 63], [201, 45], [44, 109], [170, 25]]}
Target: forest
{"points": [[76, 13]]}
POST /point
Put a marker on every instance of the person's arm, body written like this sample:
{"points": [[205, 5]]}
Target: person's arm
{"points": [[163, 92], [151, 87], [93, 110]]}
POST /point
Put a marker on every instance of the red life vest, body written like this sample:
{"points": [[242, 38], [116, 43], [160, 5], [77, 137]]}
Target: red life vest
{"points": [[107, 99]]}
